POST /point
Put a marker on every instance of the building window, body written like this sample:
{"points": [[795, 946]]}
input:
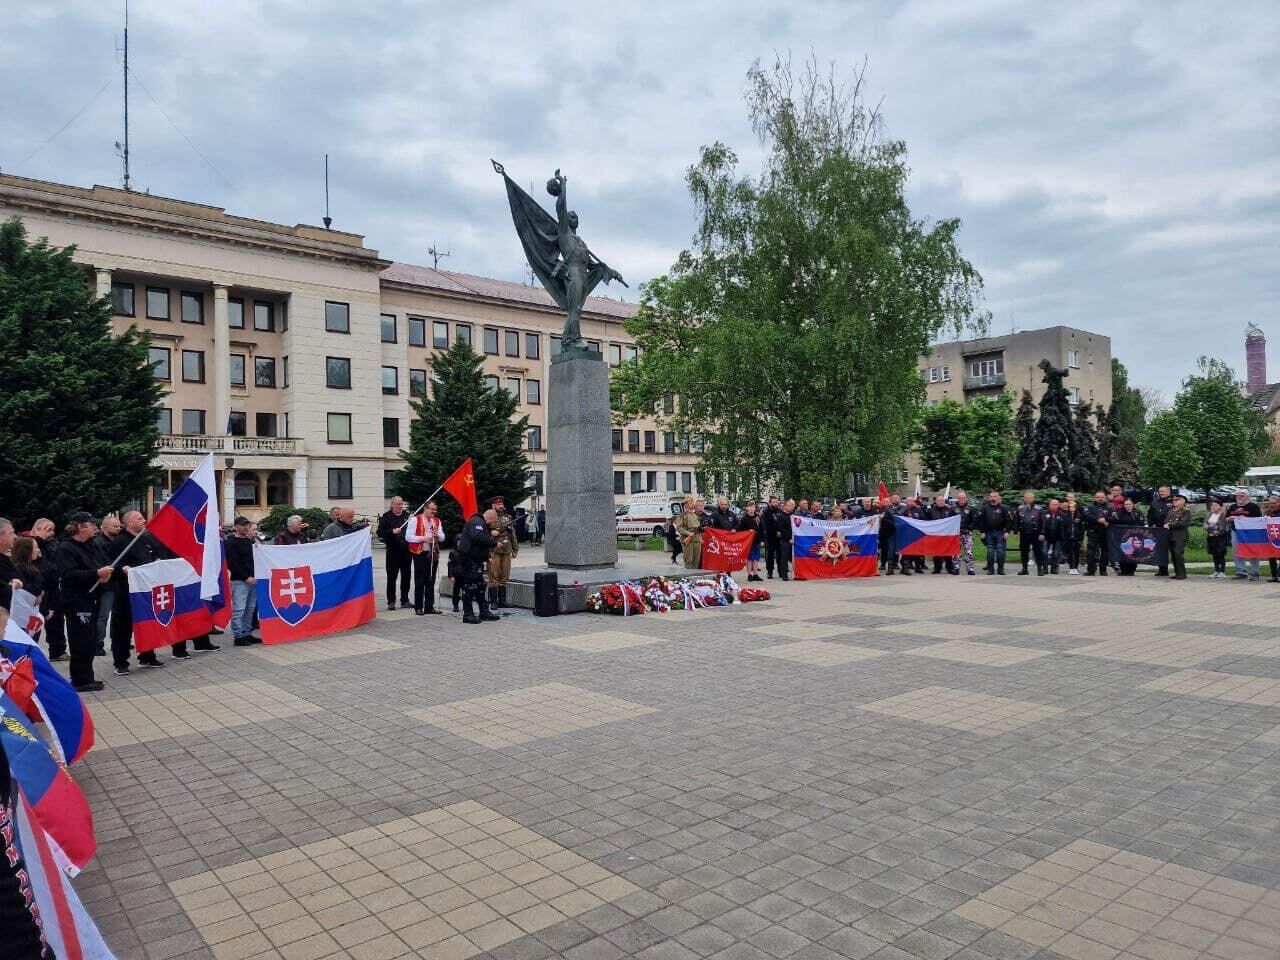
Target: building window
{"points": [[337, 317], [417, 383], [617, 441], [237, 423], [237, 369], [946, 374], [235, 313], [264, 371], [651, 480], [388, 328], [416, 332], [339, 427], [390, 380], [264, 316], [669, 443], [513, 387], [193, 422], [491, 341], [158, 357], [619, 482], [636, 480], [650, 442], [264, 424], [192, 307], [279, 488], [340, 483], [122, 299], [193, 366], [628, 354], [933, 374], [512, 343], [633, 441], [157, 304], [1073, 359], [391, 431], [537, 482], [987, 368], [284, 371], [533, 391], [686, 482], [246, 488], [1073, 396], [439, 334], [531, 345], [671, 481], [555, 346], [491, 382], [535, 438], [669, 404], [615, 355], [337, 373], [164, 421], [462, 333], [593, 345], [389, 478]]}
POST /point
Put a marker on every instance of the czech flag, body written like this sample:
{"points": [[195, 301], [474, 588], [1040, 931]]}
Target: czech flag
{"points": [[54, 701], [308, 589], [927, 538], [66, 925], [188, 525], [56, 801], [1257, 538], [831, 549], [164, 601]]}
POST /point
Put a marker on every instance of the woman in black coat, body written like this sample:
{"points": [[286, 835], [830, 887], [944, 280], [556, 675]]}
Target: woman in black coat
{"points": [[750, 520]]}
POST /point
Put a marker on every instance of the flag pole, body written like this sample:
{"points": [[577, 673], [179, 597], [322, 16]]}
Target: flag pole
{"points": [[421, 508], [113, 563]]}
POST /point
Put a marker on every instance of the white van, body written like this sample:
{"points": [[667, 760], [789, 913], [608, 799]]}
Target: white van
{"points": [[646, 514]]}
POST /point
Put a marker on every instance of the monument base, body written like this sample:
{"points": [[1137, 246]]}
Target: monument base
{"points": [[574, 586]]}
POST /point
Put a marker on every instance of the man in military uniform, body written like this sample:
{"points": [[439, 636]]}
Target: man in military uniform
{"points": [[1030, 525], [689, 529], [968, 520], [1097, 517], [506, 546], [1176, 521], [474, 546]]}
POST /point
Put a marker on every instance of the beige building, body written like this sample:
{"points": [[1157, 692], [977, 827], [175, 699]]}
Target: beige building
{"points": [[292, 353]]}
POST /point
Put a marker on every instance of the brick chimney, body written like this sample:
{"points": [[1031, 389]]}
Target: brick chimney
{"points": [[1255, 359]]}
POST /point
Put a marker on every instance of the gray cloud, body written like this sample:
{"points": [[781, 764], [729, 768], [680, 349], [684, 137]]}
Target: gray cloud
{"points": [[1116, 165]]}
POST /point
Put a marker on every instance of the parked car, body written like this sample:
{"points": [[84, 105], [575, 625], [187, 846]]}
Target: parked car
{"points": [[1192, 496]]}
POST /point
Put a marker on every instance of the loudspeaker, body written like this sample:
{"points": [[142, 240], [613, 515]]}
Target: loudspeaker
{"points": [[546, 595]]}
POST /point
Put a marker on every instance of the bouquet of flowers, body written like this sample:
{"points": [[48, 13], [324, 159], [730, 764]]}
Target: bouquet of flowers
{"points": [[621, 599], [752, 594]]}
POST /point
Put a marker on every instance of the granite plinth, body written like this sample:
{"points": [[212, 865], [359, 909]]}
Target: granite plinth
{"points": [[581, 532], [574, 586]]}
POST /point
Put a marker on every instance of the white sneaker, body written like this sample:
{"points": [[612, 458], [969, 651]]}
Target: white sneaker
{"points": [[1073, 572]]}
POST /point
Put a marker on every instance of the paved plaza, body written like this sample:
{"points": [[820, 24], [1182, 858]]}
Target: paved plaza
{"points": [[977, 768]]}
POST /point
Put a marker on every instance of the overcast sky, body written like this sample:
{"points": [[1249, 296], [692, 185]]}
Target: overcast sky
{"points": [[1116, 165]]}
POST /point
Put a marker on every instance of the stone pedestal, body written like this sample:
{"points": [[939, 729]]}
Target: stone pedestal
{"points": [[581, 532]]}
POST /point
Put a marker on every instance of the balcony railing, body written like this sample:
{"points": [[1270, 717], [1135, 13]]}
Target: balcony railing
{"points": [[986, 380], [184, 443]]}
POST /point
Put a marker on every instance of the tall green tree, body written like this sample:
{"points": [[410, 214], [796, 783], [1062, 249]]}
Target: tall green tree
{"points": [[1024, 431], [1168, 452], [1212, 406], [1125, 422], [792, 328], [78, 403], [461, 418], [1053, 441], [1085, 475], [969, 445]]}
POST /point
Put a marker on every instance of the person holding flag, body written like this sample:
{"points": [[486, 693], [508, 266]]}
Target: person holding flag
{"points": [[81, 578], [424, 533]]}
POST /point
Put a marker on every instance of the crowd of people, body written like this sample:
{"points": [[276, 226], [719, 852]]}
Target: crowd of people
{"points": [[1065, 534]]}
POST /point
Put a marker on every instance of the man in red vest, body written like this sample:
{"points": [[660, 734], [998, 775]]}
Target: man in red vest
{"points": [[424, 535]]}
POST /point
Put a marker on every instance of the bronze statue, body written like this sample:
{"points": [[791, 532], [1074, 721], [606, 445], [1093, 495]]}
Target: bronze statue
{"points": [[557, 255]]}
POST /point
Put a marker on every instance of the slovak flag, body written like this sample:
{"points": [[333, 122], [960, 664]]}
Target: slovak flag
{"points": [[188, 525], [309, 589], [927, 538], [54, 700], [66, 925], [164, 600], [1257, 538], [57, 802]]}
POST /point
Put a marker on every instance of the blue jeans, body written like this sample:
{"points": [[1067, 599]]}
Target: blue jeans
{"points": [[244, 601], [995, 548], [1253, 564]]}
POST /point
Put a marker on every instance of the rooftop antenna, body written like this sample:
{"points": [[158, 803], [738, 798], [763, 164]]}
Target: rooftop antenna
{"points": [[123, 148], [328, 220], [436, 256]]}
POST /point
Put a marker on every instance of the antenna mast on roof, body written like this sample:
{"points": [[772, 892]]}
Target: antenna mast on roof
{"points": [[436, 256], [327, 219], [123, 148]]}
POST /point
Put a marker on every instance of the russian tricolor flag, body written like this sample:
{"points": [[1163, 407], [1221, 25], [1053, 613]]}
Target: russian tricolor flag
{"points": [[188, 525], [314, 588], [831, 549], [164, 600], [1257, 538], [927, 538], [55, 700]]}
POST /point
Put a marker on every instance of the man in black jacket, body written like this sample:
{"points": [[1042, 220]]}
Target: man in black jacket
{"points": [[1056, 527], [1097, 518], [108, 542], [144, 549], [722, 517], [244, 596], [475, 543], [995, 521], [399, 563], [1030, 525], [911, 508], [940, 510], [81, 579], [1161, 504], [771, 548], [55, 633], [887, 544]]}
